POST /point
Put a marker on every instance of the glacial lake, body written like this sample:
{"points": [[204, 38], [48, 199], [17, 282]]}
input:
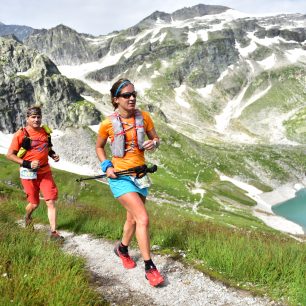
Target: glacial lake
{"points": [[293, 209]]}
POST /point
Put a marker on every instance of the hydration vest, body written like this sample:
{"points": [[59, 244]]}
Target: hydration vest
{"points": [[26, 142], [119, 144]]}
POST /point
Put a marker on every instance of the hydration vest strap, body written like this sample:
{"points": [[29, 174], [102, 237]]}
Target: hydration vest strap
{"points": [[118, 143], [26, 142], [120, 133]]}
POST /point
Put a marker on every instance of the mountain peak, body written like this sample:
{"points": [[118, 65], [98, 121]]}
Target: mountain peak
{"points": [[198, 11], [151, 19], [62, 27], [182, 14]]}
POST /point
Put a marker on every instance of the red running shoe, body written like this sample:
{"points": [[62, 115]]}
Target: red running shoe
{"points": [[154, 277], [127, 261]]}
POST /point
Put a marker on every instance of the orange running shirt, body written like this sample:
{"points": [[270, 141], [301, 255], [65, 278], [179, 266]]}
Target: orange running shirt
{"points": [[134, 157], [39, 144]]}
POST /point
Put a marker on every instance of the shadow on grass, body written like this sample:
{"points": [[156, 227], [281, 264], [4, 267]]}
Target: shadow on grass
{"points": [[75, 224]]}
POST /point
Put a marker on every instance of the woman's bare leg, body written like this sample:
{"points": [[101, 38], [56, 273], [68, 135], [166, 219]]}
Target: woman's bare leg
{"points": [[128, 229], [134, 204]]}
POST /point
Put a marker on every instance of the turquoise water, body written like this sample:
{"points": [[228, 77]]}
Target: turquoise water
{"points": [[293, 209]]}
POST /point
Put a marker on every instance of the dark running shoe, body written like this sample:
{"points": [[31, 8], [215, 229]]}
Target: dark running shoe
{"points": [[55, 236], [154, 277], [127, 261], [28, 221]]}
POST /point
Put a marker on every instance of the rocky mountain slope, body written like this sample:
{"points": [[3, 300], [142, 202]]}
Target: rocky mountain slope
{"points": [[205, 66], [238, 78], [28, 77], [64, 45]]}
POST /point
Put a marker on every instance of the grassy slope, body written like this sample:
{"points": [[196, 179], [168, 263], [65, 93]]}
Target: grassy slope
{"points": [[186, 164], [33, 269], [223, 252], [287, 93]]}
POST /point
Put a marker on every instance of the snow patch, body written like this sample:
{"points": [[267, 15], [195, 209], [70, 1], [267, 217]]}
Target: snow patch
{"points": [[225, 73], [268, 62], [158, 38], [205, 91], [192, 38], [24, 73], [179, 96], [223, 119], [5, 141], [296, 54], [244, 52], [254, 98], [265, 201], [155, 74]]}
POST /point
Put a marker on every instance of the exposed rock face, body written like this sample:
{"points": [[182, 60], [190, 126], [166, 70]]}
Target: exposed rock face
{"points": [[198, 11], [297, 34], [182, 14], [151, 19], [63, 45], [84, 140], [199, 64], [206, 61], [28, 78]]}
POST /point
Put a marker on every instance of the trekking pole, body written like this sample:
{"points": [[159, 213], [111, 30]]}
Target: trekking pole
{"points": [[140, 171]]}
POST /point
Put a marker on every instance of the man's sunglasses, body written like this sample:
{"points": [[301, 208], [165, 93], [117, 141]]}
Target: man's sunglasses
{"points": [[127, 95]]}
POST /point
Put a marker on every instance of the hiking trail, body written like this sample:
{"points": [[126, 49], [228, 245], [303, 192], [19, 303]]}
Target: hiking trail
{"points": [[183, 285]]}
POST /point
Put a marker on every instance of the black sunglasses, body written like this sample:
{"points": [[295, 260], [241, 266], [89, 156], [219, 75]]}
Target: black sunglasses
{"points": [[127, 95]]}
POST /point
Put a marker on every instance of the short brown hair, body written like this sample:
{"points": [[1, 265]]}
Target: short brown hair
{"points": [[33, 110]]}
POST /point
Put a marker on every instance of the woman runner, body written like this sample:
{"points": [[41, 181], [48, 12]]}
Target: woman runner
{"points": [[126, 128]]}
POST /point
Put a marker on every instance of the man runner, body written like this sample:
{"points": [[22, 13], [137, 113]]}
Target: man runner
{"points": [[30, 148]]}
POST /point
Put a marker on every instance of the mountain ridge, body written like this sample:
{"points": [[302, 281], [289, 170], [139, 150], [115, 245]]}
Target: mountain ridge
{"points": [[206, 62], [21, 32]]}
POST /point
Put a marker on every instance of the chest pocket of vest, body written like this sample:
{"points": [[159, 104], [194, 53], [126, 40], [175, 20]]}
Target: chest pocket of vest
{"points": [[118, 145]]}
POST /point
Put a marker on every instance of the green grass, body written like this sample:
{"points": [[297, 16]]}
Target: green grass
{"points": [[261, 53], [34, 270], [287, 92], [296, 126], [244, 253]]}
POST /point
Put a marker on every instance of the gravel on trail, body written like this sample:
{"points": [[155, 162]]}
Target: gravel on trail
{"points": [[183, 285]]}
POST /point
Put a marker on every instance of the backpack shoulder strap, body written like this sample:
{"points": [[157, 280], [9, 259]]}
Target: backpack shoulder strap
{"points": [[25, 132], [26, 143], [48, 132], [47, 129]]}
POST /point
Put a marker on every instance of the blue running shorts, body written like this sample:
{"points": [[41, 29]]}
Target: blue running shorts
{"points": [[124, 184]]}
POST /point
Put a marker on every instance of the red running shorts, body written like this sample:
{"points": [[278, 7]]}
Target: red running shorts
{"points": [[43, 183]]}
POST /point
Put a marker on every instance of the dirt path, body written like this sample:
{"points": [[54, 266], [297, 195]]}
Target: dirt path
{"points": [[183, 286]]}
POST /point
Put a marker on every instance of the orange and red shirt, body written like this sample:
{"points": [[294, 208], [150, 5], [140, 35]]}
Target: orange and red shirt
{"points": [[39, 147], [134, 157]]}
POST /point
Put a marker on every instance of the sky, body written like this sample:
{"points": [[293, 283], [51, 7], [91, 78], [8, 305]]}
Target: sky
{"points": [[100, 17]]}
